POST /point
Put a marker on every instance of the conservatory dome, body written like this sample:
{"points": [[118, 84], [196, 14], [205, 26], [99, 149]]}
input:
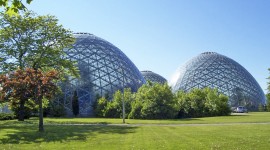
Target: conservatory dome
{"points": [[214, 70], [103, 70], [153, 77]]}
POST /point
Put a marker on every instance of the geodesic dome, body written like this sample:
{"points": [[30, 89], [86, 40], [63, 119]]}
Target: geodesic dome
{"points": [[103, 68], [153, 77], [213, 70]]}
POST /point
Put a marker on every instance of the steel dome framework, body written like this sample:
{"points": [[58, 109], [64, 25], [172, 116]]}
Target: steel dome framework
{"points": [[153, 77], [213, 70], [103, 69]]}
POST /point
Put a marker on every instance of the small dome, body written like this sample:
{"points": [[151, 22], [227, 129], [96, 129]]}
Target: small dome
{"points": [[153, 77], [213, 70], [103, 68]]}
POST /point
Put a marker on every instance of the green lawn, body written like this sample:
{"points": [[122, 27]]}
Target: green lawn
{"points": [[150, 135], [234, 118]]}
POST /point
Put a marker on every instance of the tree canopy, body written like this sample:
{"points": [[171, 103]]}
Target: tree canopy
{"points": [[202, 103], [36, 42], [114, 108], [13, 6], [156, 101], [19, 86]]}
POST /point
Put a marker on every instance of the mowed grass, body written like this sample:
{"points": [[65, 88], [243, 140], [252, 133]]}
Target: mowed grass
{"points": [[254, 117], [150, 134]]}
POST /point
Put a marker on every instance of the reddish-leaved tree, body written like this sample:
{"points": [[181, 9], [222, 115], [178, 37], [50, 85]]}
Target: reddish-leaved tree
{"points": [[23, 85]]}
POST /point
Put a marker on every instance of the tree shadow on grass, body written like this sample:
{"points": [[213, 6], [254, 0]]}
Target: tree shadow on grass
{"points": [[16, 122], [76, 122], [59, 133], [202, 119], [187, 119]]}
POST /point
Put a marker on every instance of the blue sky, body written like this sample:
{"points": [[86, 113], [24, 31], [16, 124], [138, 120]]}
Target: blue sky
{"points": [[161, 35]]}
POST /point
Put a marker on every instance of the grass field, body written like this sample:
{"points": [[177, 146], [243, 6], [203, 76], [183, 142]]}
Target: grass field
{"points": [[231, 132]]}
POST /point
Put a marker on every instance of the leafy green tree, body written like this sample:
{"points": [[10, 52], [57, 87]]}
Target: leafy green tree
{"points": [[95, 104], [154, 101], [101, 106], [114, 107], [129, 97], [13, 6], [136, 107], [201, 103], [198, 101], [184, 104], [260, 108], [216, 103], [75, 104], [36, 42], [268, 102], [192, 104]]}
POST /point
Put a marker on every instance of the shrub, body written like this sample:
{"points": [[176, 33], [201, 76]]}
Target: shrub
{"points": [[7, 116], [154, 101], [114, 108], [202, 103], [100, 107], [56, 110], [29, 108]]}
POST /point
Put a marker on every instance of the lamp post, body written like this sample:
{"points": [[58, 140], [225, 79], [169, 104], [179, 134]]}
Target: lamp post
{"points": [[123, 98], [123, 103]]}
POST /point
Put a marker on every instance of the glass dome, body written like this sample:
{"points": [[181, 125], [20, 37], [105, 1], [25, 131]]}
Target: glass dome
{"points": [[213, 70], [103, 68], [153, 77]]}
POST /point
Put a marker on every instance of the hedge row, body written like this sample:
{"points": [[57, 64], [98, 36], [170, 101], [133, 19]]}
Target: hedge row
{"points": [[7, 116]]}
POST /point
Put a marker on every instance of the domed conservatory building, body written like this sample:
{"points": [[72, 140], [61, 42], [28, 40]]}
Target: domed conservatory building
{"points": [[103, 70], [214, 70], [153, 77]]}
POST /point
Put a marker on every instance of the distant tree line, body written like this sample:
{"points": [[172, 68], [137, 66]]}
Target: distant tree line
{"points": [[156, 101]]}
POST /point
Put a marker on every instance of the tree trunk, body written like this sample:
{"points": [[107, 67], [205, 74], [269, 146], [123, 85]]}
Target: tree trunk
{"points": [[40, 125], [39, 100], [21, 111]]}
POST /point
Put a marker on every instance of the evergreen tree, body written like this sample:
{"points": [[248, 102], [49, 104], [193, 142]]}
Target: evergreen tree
{"points": [[75, 104]]}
